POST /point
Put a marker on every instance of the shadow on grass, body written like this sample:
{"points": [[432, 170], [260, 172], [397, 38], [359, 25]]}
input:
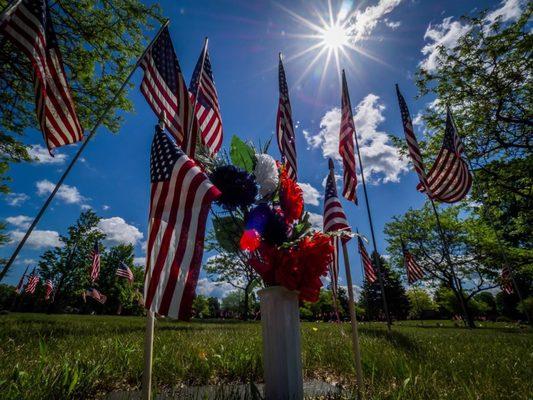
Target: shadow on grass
{"points": [[398, 339]]}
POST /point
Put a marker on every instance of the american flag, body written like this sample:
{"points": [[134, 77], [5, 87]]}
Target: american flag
{"points": [[95, 265], [33, 280], [334, 220], [165, 90], [48, 288], [346, 145], [95, 294], [207, 107], [285, 127], [414, 271], [180, 198], [124, 272], [370, 273], [412, 143], [449, 179], [507, 280], [21, 281], [28, 25]]}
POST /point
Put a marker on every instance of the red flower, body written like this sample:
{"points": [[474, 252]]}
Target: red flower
{"points": [[291, 198], [250, 240]]}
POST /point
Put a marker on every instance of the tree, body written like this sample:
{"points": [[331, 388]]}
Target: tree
{"points": [[484, 305], [200, 306], [232, 268], [486, 80], [214, 307], [99, 41], [372, 300], [420, 303]]}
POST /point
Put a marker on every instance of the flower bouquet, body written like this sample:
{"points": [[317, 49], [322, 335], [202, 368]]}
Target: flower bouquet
{"points": [[262, 218]]}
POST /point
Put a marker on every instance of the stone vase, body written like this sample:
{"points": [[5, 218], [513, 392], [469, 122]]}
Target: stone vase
{"points": [[282, 358]]}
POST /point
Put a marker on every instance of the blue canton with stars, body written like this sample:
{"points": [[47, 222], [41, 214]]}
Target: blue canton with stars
{"points": [[166, 61], [163, 156], [331, 190]]}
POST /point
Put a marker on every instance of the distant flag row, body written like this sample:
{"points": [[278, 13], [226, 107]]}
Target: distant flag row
{"points": [[414, 271]]}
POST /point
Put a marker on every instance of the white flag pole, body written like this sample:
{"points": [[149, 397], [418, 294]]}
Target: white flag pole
{"points": [[148, 356]]}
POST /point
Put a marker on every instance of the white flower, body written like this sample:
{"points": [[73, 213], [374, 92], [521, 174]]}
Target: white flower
{"points": [[266, 174]]}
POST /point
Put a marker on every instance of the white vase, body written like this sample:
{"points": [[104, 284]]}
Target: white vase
{"points": [[282, 359]]}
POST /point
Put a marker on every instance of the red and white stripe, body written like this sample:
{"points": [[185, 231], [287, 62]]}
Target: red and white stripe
{"points": [[507, 280], [178, 213], [414, 271], [370, 273], [33, 280], [174, 108], [284, 126], [48, 288], [334, 265], [96, 295], [412, 143], [31, 30], [95, 264], [207, 106], [346, 145]]}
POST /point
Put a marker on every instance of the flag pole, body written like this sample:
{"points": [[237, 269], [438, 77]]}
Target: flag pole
{"points": [[77, 155], [9, 8], [351, 306], [148, 356], [375, 255], [191, 122]]}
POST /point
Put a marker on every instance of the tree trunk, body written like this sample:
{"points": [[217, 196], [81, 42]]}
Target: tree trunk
{"points": [[246, 301], [467, 314]]}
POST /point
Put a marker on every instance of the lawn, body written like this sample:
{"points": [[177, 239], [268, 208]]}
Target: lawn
{"points": [[67, 356]]}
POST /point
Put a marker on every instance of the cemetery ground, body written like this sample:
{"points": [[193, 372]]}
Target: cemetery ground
{"points": [[82, 356]]}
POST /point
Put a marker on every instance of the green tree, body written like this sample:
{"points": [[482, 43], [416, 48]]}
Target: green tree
{"points": [[485, 305], [214, 307], [200, 306], [99, 42], [470, 271], [232, 269], [420, 303], [397, 301], [68, 266]]}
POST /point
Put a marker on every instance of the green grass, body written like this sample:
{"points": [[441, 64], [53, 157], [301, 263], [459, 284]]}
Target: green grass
{"points": [[66, 356]]}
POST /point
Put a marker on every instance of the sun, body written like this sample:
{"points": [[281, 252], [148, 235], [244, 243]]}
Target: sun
{"points": [[335, 37]]}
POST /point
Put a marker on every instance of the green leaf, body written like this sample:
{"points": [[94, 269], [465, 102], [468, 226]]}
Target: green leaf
{"points": [[228, 231], [242, 155], [301, 227]]}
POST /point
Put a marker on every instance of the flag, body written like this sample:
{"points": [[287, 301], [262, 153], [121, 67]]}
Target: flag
{"points": [[334, 220], [33, 280], [180, 198], [449, 179], [95, 294], [48, 288], [207, 107], [346, 145], [28, 25], [95, 265], [284, 126], [412, 143], [165, 91], [20, 285], [414, 271], [124, 272], [370, 273], [507, 280]]}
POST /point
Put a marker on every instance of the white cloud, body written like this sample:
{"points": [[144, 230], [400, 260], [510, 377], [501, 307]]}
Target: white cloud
{"points": [[105, 207], [69, 194], [444, 35], [38, 239], [381, 160], [209, 288], [16, 199], [41, 155], [316, 220], [20, 221], [510, 10], [356, 291], [119, 231], [362, 23], [141, 261], [393, 24], [26, 261], [311, 195], [337, 180]]}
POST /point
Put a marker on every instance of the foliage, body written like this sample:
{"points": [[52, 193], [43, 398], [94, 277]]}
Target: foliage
{"points": [[200, 306], [242, 154], [75, 357], [420, 303], [372, 300], [99, 41]]}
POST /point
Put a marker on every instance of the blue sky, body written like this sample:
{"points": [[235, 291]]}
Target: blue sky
{"points": [[391, 39]]}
